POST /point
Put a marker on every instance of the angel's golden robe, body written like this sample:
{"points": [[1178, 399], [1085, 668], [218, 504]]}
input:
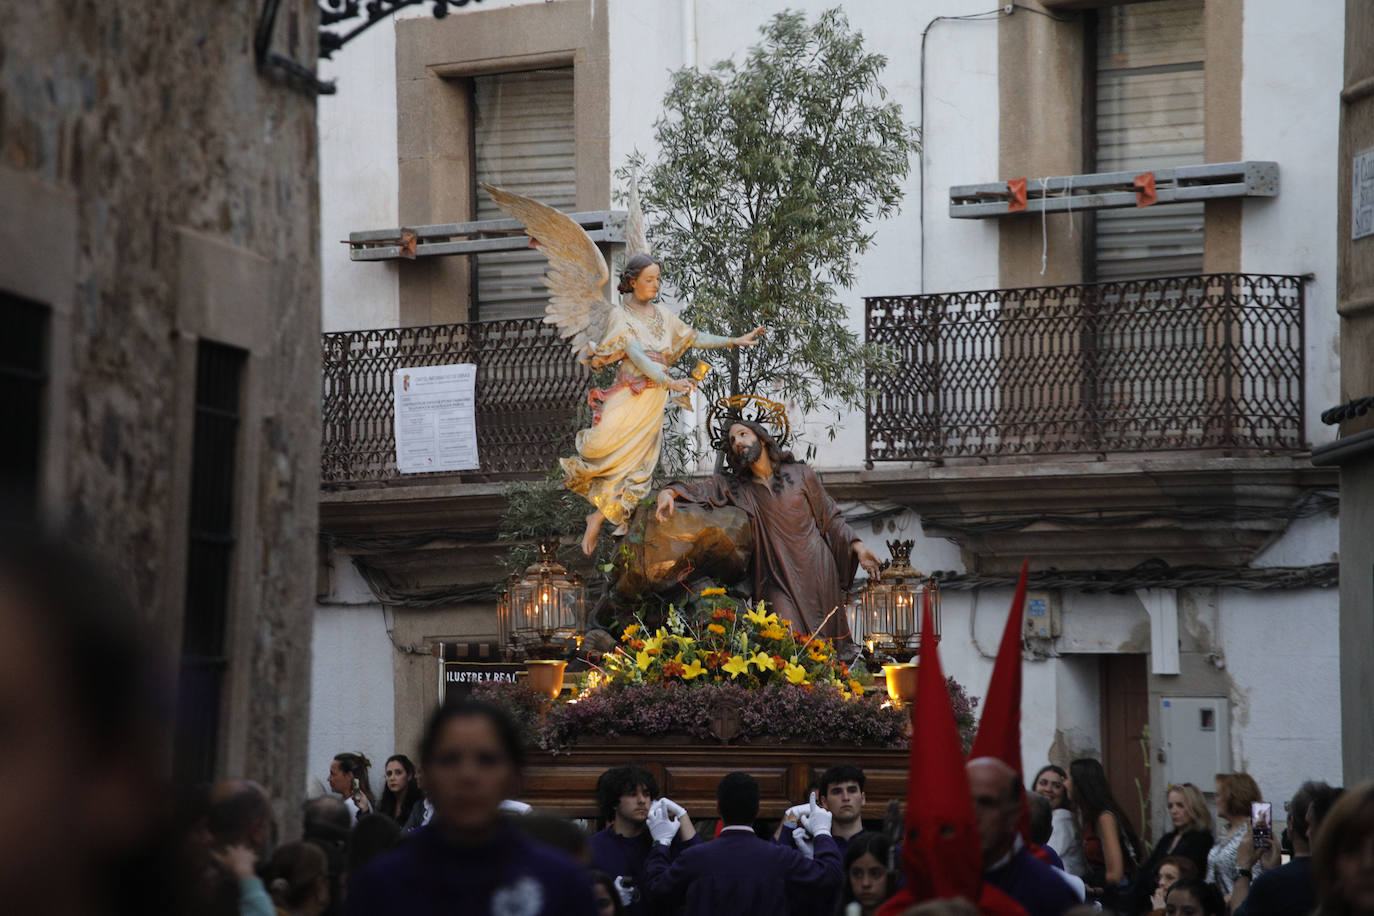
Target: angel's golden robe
{"points": [[616, 456]]}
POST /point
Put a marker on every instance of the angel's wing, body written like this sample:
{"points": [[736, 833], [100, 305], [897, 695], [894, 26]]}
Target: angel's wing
{"points": [[577, 272], [636, 242]]}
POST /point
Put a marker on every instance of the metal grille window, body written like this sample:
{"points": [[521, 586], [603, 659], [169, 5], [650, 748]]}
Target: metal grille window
{"points": [[1149, 115], [523, 129], [209, 558], [23, 382]]}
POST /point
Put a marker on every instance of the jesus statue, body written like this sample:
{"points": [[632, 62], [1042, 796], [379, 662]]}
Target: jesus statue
{"points": [[804, 555]]}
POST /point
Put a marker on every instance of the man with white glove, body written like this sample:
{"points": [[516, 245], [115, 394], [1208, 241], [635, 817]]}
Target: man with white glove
{"points": [[627, 795], [739, 872]]}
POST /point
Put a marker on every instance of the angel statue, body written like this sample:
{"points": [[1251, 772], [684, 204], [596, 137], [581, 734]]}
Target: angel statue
{"points": [[616, 455]]}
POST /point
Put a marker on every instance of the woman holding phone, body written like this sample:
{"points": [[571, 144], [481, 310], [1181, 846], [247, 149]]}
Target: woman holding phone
{"points": [[1236, 792], [348, 779]]}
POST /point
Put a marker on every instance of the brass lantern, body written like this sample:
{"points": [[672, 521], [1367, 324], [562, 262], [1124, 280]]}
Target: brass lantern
{"points": [[893, 605], [546, 604]]}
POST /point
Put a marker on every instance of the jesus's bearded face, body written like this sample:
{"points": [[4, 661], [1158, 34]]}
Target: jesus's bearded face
{"points": [[745, 445]]}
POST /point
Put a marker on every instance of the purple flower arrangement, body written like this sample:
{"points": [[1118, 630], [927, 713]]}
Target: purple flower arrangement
{"points": [[812, 715]]}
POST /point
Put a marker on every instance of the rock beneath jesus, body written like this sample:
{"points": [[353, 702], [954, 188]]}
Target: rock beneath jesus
{"points": [[695, 541]]}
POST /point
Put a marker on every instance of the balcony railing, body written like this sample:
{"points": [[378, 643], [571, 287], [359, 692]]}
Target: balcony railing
{"points": [[527, 392], [1210, 362]]}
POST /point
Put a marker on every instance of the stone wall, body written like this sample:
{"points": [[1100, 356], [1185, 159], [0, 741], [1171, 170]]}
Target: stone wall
{"points": [[194, 201]]}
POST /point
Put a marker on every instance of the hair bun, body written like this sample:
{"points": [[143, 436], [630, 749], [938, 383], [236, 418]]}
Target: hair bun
{"points": [[279, 887]]}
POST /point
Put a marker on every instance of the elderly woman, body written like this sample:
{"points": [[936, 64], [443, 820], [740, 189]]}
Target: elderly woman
{"points": [[1236, 792]]}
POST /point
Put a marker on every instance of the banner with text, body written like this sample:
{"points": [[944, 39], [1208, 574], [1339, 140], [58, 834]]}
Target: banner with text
{"points": [[436, 418], [461, 677]]}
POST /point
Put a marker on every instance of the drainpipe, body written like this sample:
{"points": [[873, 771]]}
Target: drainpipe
{"points": [[689, 33]]}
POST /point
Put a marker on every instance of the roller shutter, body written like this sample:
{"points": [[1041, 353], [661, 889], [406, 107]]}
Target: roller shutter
{"points": [[523, 129], [1149, 116]]}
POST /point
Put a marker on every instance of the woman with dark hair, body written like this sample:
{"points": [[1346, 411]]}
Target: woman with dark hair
{"points": [[1191, 897], [1343, 855], [469, 858], [606, 896], [1064, 839], [868, 876], [348, 778], [616, 456], [299, 880], [1110, 843], [402, 791]]}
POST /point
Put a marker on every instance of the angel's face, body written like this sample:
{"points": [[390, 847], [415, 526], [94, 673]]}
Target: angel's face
{"points": [[646, 284]]}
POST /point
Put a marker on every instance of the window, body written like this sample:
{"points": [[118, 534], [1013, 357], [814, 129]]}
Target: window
{"points": [[209, 558], [1149, 115], [23, 385], [523, 139]]}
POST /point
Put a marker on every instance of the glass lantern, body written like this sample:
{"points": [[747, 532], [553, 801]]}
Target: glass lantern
{"points": [[546, 604], [893, 605], [856, 616]]}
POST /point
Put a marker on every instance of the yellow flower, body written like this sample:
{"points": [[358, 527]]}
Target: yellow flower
{"points": [[716, 628], [655, 642], [816, 655], [690, 669], [795, 673], [643, 659], [773, 631], [712, 592], [737, 665], [759, 618], [630, 631], [856, 687], [762, 661]]}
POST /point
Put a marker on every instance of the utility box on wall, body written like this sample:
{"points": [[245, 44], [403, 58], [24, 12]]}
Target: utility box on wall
{"points": [[1042, 615], [1196, 739]]}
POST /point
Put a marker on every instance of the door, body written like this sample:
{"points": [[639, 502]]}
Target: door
{"points": [[1126, 735]]}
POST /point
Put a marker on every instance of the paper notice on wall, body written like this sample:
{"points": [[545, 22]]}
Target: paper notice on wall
{"points": [[1362, 189], [436, 419]]}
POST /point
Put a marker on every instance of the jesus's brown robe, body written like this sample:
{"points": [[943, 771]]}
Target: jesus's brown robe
{"points": [[803, 558]]}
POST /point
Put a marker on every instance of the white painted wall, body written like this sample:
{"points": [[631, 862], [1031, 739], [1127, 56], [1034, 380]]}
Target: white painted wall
{"points": [[1290, 113], [1282, 652], [352, 695], [359, 180]]}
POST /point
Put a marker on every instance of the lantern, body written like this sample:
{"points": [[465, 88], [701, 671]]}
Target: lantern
{"points": [[546, 605], [505, 636], [893, 605], [858, 620]]}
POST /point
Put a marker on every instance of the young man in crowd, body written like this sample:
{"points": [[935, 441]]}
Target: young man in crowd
{"points": [[625, 796], [739, 872], [840, 791]]}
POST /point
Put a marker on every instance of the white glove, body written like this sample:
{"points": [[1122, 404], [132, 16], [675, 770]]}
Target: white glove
{"points": [[817, 822], [795, 813], [671, 807], [805, 846], [627, 894], [661, 827]]}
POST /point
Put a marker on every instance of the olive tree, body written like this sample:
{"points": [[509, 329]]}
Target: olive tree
{"points": [[767, 178]]}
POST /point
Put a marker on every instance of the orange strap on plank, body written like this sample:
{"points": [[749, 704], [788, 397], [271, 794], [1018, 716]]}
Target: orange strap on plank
{"points": [[1145, 189], [1017, 188]]}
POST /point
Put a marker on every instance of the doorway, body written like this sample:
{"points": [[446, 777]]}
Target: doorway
{"points": [[1126, 735]]}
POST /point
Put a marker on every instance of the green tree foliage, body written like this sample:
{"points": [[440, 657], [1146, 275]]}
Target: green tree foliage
{"points": [[767, 177]]}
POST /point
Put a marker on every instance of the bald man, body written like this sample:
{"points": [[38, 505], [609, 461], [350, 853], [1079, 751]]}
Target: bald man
{"points": [[1007, 864]]}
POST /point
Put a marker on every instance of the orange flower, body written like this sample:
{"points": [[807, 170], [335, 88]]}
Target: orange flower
{"points": [[653, 651], [856, 687], [674, 669], [637, 644], [779, 662], [716, 628], [723, 613]]}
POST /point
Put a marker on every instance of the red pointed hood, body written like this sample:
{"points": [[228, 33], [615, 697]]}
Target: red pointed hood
{"points": [[941, 855], [999, 730]]}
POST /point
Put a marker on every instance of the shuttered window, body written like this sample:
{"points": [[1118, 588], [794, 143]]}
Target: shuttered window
{"points": [[524, 143], [1149, 96]]}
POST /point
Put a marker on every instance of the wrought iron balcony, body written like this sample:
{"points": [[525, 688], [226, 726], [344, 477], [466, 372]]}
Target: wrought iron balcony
{"points": [[527, 392], [1211, 362]]}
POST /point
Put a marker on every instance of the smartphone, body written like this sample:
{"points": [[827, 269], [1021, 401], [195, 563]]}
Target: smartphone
{"points": [[1262, 823], [356, 785]]}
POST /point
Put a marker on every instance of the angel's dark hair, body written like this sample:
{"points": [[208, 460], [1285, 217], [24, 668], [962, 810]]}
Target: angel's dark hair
{"points": [[633, 268]]}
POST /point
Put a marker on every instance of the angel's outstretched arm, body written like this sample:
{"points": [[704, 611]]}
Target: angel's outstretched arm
{"points": [[651, 370]]}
